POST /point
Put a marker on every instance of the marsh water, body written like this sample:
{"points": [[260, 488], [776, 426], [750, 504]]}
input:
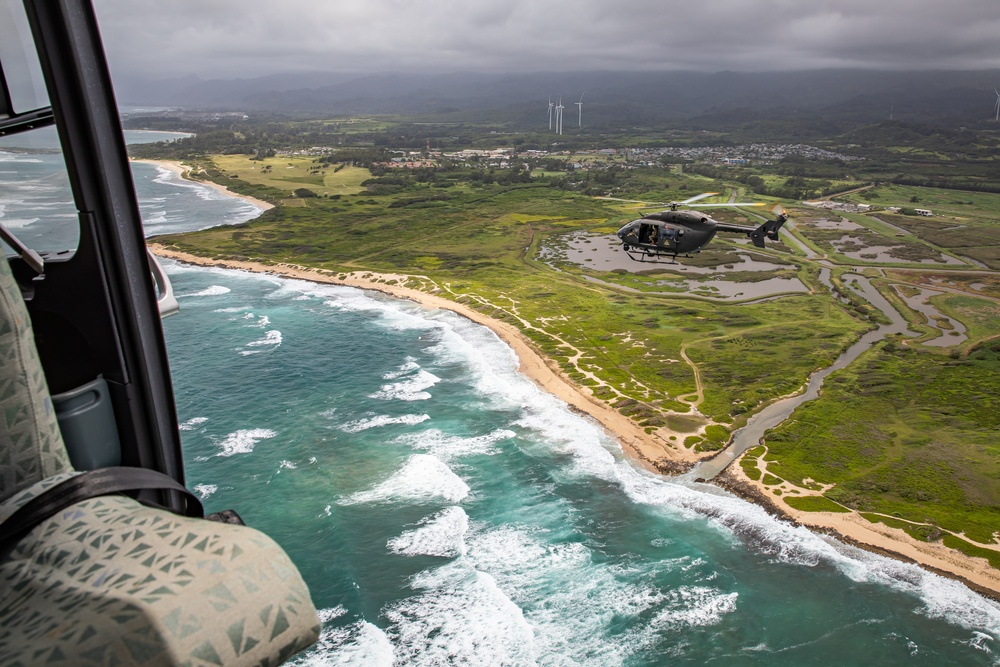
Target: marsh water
{"points": [[603, 253]]}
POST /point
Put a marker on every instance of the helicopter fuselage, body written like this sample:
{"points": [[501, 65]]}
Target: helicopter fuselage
{"points": [[669, 232]]}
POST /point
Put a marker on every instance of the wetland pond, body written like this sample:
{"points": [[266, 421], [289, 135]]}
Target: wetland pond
{"points": [[602, 252]]}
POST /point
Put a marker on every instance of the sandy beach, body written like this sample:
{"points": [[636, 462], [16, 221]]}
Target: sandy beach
{"points": [[181, 170], [651, 451], [852, 528]]}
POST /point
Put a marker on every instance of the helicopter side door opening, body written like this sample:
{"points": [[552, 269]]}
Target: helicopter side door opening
{"points": [[649, 234]]}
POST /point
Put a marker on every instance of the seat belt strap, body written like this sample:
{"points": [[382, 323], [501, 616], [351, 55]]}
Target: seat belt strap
{"points": [[90, 484]]}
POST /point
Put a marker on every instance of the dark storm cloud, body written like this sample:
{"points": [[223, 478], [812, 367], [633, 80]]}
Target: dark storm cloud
{"points": [[255, 37]]}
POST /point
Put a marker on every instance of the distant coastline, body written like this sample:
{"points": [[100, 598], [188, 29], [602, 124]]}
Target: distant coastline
{"points": [[179, 169]]}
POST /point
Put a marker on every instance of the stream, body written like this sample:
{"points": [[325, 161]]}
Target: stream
{"points": [[751, 434]]}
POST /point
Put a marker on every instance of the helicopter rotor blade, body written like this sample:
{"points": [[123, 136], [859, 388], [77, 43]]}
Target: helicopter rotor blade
{"points": [[695, 198], [726, 204], [636, 201]]}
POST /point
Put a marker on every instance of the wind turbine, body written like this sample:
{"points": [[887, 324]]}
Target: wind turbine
{"points": [[550, 112], [579, 105], [559, 117], [998, 104]]}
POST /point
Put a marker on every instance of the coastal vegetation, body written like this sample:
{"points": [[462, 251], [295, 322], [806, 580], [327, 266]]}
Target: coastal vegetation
{"points": [[904, 433], [905, 436]]}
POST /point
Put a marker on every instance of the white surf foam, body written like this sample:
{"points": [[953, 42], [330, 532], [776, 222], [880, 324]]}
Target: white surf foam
{"points": [[566, 433], [358, 643], [693, 606], [408, 367], [167, 177], [421, 478], [381, 420], [460, 618], [192, 424], [15, 159], [447, 447], [214, 290], [393, 314], [941, 598], [271, 338], [243, 441], [205, 490], [570, 601], [490, 364], [412, 388], [18, 223], [440, 535]]}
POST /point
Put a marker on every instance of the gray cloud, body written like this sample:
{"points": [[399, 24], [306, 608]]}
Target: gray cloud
{"points": [[227, 38]]}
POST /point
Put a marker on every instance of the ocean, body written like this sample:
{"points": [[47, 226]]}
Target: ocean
{"points": [[444, 511]]}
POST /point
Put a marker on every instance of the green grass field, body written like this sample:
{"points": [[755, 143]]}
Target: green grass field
{"points": [[980, 206], [292, 173], [475, 239]]}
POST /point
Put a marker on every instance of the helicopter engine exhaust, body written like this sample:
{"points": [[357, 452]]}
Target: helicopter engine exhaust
{"points": [[769, 229]]}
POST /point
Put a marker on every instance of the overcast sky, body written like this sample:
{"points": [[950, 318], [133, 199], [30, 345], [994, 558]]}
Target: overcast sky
{"points": [[246, 38]]}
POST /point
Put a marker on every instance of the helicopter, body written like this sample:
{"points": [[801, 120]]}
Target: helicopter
{"points": [[674, 232]]}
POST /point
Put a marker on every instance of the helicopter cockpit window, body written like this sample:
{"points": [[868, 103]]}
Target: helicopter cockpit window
{"points": [[36, 204]]}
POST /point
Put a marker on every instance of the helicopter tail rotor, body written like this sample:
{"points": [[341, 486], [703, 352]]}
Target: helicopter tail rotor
{"points": [[768, 230]]}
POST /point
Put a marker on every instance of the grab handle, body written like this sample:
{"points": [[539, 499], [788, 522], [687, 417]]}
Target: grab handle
{"points": [[165, 300]]}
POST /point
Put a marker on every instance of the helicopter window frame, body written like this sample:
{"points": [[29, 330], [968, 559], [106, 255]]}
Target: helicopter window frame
{"points": [[24, 100]]}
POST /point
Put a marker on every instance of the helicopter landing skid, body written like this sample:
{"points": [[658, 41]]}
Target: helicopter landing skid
{"points": [[650, 257]]}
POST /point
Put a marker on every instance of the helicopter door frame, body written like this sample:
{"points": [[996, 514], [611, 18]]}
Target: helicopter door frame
{"points": [[94, 309]]}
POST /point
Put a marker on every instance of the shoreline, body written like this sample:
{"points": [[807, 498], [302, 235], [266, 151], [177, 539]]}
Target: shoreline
{"points": [[653, 453], [179, 169], [851, 528]]}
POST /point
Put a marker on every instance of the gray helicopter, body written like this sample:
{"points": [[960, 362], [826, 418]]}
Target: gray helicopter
{"points": [[674, 232]]}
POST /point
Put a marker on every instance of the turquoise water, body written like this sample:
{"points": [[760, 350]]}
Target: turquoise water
{"points": [[444, 511]]}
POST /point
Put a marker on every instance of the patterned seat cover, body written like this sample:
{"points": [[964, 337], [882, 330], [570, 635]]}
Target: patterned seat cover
{"points": [[109, 581]]}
